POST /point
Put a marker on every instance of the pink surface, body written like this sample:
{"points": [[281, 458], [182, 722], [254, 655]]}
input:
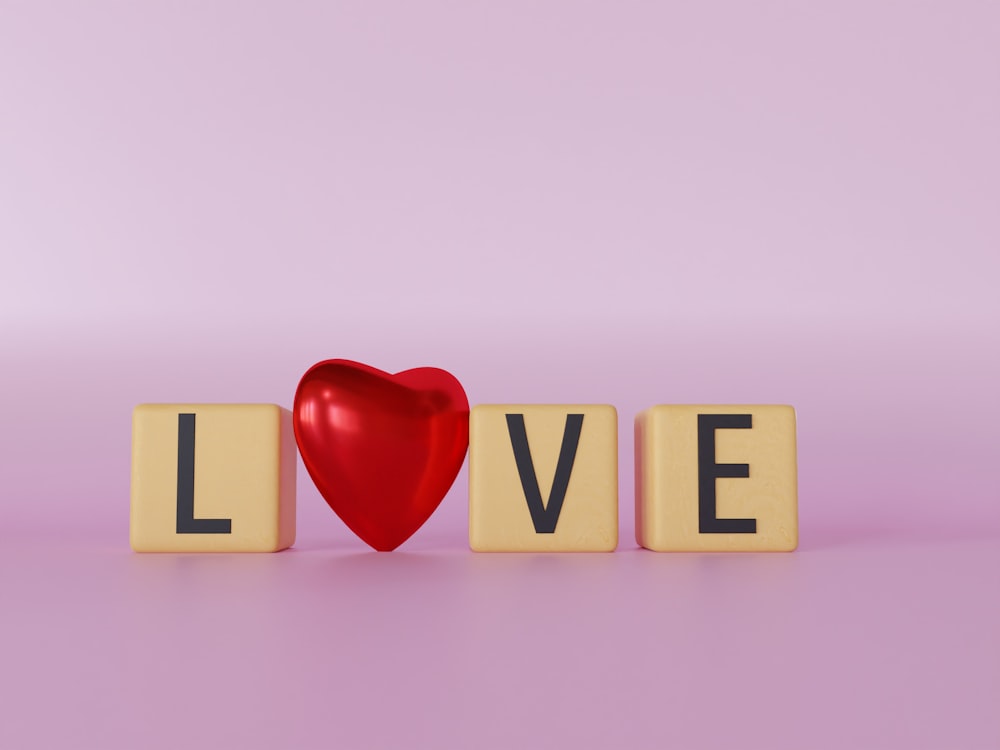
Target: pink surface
{"points": [[558, 202]]}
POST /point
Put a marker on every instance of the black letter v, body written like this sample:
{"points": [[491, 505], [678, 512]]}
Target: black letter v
{"points": [[544, 516]]}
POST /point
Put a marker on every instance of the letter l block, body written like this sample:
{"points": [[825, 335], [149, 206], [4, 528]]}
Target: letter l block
{"points": [[212, 478]]}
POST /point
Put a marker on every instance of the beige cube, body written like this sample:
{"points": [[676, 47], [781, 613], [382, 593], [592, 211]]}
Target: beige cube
{"points": [[543, 478], [212, 478], [716, 479]]}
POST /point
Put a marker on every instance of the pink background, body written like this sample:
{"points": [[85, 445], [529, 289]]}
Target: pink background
{"points": [[621, 202]]}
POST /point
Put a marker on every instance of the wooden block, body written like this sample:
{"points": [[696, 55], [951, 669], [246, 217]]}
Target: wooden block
{"points": [[716, 479], [212, 478], [543, 478]]}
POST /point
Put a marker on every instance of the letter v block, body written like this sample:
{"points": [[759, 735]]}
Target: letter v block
{"points": [[543, 478], [212, 478], [716, 479]]}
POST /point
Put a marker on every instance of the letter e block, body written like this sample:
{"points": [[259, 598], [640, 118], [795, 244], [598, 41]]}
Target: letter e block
{"points": [[716, 479], [212, 478], [543, 478]]}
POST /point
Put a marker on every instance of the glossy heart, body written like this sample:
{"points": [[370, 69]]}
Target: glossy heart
{"points": [[382, 449]]}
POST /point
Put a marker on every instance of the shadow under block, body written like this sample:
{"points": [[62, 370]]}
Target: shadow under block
{"points": [[543, 478], [716, 479], [212, 478]]}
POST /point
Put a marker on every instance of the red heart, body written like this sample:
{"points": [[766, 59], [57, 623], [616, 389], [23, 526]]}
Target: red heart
{"points": [[382, 449]]}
